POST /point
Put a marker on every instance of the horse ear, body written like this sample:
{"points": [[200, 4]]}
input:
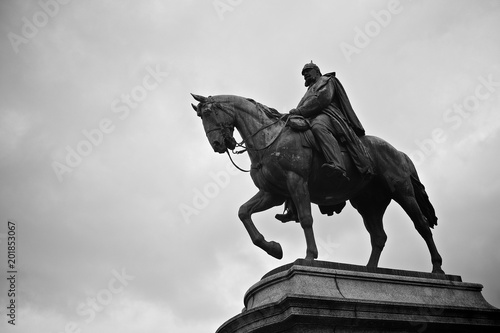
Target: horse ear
{"points": [[196, 109], [199, 98]]}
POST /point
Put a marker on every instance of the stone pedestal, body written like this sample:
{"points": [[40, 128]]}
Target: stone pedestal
{"points": [[318, 296]]}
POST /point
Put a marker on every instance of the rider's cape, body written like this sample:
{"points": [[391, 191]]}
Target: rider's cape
{"points": [[345, 106], [327, 96]]}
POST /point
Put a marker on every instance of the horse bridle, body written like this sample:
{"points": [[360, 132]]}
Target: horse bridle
{"points": [[226, 127]]}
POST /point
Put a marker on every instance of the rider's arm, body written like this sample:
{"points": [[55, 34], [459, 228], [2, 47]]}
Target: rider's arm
{"points": [[318, 100]]}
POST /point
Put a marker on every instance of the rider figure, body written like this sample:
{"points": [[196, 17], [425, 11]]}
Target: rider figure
{"points": [[333, 121]]}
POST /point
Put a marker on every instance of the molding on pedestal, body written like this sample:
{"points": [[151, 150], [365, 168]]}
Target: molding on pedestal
{"points": [[318, 296]]}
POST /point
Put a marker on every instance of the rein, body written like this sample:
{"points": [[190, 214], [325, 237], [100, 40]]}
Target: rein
{"points": [[237, 167], [222, 126], [242, 143]]}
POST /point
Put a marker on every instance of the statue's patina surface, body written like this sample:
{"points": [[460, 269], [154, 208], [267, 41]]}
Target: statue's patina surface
{"points": [[333, 123], [333, 120], [288, 165]]}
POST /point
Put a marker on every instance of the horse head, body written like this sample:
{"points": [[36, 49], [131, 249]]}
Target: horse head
{"points": [[218, 122]]}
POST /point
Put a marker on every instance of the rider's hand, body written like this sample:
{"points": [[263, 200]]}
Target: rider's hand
{"points": [[294, 111]]}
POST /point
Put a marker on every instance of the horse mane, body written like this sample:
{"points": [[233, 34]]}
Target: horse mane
{"points": [[269, 112]]}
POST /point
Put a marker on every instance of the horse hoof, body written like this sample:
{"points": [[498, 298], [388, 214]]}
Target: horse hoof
{"points": [[311, 256], [437, 271], [275, 250]]}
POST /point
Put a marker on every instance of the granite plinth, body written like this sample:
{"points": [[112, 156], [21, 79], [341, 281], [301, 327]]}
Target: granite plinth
{"points": [[317, 296]]}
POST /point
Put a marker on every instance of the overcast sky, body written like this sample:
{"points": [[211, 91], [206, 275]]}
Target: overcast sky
{"points": [[126, 220]]}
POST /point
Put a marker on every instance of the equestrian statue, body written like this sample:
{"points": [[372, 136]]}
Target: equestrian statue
{"points": [[317, 153]]}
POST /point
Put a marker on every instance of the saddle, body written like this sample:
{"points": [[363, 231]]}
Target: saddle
{"points": [[298, 123], [303, 127]]}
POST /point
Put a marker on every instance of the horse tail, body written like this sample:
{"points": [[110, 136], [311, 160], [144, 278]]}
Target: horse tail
{"points": [[421, 196]]}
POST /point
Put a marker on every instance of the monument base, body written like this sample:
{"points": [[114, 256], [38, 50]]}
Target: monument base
{"points": [[318, 296]]}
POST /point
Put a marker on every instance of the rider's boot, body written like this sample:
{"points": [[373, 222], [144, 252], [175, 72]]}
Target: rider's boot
{"points": [[289, 213]]}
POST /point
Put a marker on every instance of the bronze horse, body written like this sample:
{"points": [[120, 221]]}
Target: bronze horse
{"points": [[284, 167]]}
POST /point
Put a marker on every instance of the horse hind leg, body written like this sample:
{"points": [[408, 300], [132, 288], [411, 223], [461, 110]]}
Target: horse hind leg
{"points": [[372, 209], [405, 197]]}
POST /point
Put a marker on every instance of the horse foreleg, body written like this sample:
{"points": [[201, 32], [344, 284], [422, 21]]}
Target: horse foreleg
{"points": [[299, 191], [260, 202]]}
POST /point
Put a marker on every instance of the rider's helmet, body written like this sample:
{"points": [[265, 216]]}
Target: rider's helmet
{"points": [[310, 66]]}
